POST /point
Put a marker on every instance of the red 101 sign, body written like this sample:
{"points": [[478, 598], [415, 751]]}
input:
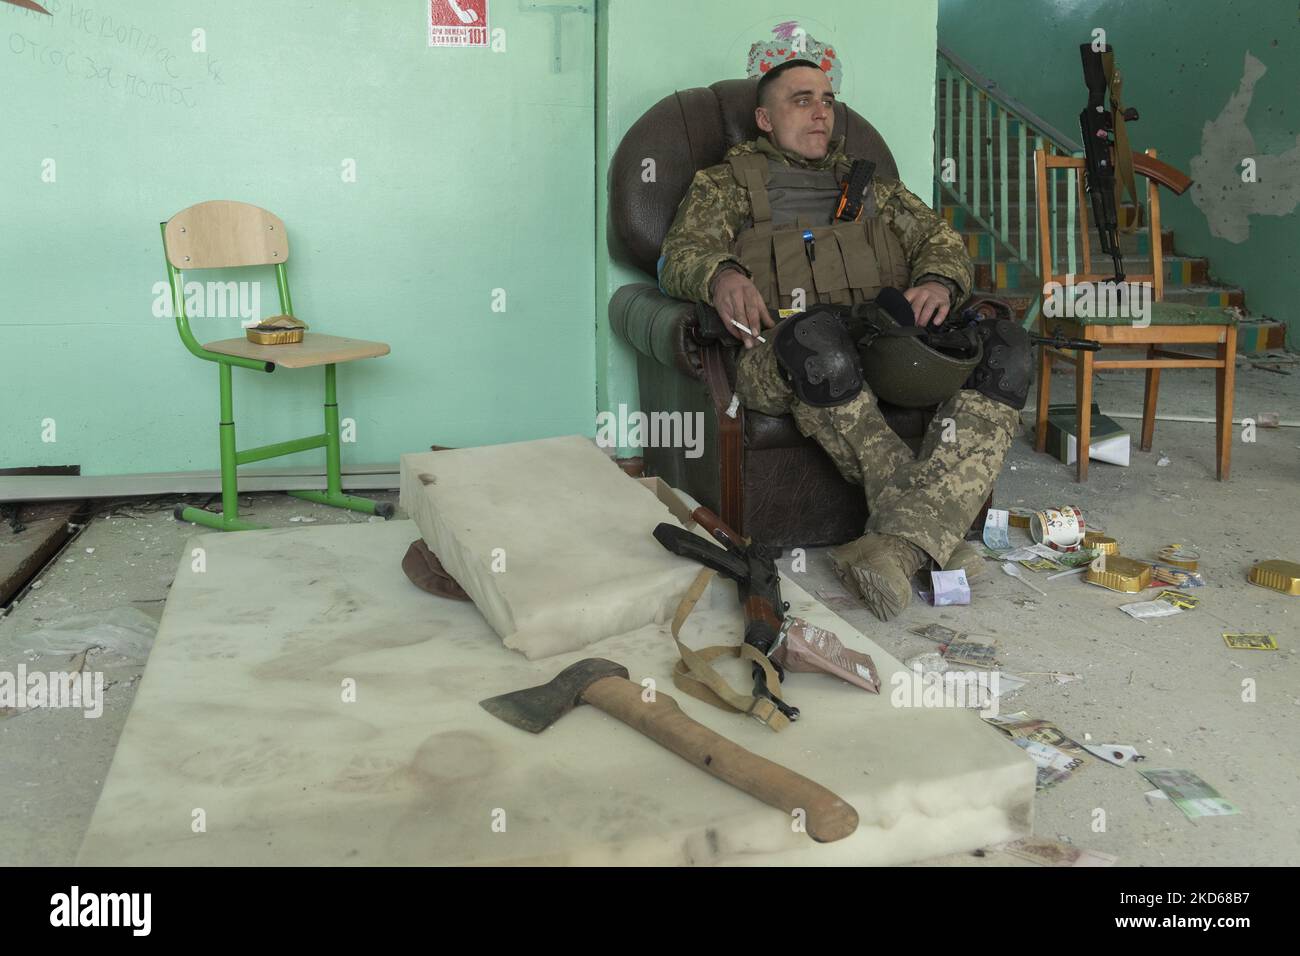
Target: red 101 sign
{"points": [[458, 23]]}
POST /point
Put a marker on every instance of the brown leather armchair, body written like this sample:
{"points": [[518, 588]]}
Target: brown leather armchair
{"points": [[757, 471]]}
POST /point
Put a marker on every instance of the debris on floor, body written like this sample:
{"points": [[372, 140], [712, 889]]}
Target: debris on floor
{"points": [[1250, 642], [1056, 755], [1178, 577], [1054, 764], [995, 530], [124, 633], [971, 653], [935, 632], [1055, 853], [1281, 576], [931, 662], [1164, 604], [1015, 572], [1119, 754], [1190, 793], [1118, 573], [950, 587], [837, 600], [1060, 677]]}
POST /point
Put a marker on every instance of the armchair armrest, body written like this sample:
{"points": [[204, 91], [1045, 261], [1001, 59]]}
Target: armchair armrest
{"points": [[665, 329]]}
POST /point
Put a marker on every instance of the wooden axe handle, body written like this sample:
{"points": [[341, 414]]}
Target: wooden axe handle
{"points": [[827, 817]]}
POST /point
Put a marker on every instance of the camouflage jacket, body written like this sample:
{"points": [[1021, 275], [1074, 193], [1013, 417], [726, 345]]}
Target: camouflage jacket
{"points": [[716, 208]]}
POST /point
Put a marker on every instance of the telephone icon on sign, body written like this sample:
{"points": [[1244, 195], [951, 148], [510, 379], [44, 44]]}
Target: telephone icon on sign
{"points": [[466, 16]]}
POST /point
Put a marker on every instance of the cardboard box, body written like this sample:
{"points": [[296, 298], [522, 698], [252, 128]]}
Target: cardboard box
{"points": [[1108, 442]]}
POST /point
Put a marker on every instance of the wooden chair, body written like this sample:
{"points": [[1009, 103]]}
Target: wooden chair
{"points": [[220, 235], [1169, 324]]}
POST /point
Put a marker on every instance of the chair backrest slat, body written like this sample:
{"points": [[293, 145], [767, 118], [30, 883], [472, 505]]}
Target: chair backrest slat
{"points": [[223, 234], [1044, 163]]}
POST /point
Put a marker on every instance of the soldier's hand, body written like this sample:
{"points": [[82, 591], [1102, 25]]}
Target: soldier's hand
{"points": [[737, 299], [929, 301]]}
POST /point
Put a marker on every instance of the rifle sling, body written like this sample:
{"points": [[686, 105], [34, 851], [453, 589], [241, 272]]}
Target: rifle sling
{"points": [[694, 674]]}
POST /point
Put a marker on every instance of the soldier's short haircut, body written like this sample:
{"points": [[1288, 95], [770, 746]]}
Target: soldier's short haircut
{"points": [[767, 79]]}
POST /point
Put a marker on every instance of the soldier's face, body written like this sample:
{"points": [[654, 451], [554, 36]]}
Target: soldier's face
{"points": [[800, 112]]}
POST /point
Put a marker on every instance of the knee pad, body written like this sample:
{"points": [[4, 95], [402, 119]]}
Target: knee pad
{"points": [[818, 357], [1007, 366]]}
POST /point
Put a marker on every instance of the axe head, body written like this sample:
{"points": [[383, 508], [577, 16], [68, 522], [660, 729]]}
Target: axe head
{"points": [[536, 708]]}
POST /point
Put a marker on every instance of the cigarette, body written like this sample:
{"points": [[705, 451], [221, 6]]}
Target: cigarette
{"points": [[746, 328]]}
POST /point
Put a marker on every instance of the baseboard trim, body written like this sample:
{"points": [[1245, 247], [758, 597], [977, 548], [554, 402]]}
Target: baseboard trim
{"points": [[55, 487]]}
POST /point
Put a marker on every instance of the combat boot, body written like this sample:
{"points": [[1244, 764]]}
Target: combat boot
{"points": [[968, 557], [878, 568]]}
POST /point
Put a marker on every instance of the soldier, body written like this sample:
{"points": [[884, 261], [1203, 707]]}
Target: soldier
{"points": [[758, 232]]}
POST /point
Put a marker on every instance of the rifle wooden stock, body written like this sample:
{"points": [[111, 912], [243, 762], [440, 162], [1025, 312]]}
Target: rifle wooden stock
{"points": [[1161, 172]]}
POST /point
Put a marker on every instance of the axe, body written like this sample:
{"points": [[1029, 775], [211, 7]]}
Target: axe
{"points": [[604, 685]]}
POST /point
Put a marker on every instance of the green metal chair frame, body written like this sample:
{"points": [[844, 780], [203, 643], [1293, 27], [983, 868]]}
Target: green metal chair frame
{"points": [[231, 459]]}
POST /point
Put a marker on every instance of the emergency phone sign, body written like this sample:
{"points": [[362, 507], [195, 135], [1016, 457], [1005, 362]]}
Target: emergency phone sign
{"points": [[458, 23]]}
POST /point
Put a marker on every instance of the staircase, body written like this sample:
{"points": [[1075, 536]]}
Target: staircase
{"points": [[990, 135]]}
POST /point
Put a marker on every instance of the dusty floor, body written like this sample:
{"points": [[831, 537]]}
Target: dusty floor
{"points": [[1171, 688]]}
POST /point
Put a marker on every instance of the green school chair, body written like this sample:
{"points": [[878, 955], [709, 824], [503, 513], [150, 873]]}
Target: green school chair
{"points": [[221, 235]]}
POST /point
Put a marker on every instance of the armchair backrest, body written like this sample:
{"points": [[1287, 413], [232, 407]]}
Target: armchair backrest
{"points": [[688, 131]]}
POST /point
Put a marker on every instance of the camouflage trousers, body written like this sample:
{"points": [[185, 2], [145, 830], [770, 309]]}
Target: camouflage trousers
{"points": [[930, 498]]}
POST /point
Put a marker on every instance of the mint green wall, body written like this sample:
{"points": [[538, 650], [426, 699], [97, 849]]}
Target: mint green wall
{"points": [[1183, 62], [647, 50], [474, 172]]}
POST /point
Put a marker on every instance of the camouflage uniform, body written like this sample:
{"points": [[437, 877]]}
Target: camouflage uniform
{"points": [[930, 500]]}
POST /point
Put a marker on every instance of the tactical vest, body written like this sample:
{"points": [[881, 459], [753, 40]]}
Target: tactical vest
{"points": [[845, 262]]}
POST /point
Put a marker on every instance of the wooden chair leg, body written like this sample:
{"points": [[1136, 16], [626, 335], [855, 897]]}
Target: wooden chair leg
{"points": [[1044, 397], [1083, 417], [1149, 402], [1224, 381]]}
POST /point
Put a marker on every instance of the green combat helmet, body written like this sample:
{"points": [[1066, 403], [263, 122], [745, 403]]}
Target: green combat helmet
{"points": [[908, 365]]}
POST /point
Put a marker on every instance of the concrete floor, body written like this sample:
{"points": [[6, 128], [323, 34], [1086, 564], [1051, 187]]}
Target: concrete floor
{"points": [[1171, 688]]}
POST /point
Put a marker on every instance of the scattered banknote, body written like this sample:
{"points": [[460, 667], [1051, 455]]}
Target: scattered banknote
{"points": [[1054, 764], [1190, 793], [1250, 642], [972, 653], [1073, 559], [950, 587], [1046, 551], [1020, 724], [995, 530], [1057, 755], [935, 632]]}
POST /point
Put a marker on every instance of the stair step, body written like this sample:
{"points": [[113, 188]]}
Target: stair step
{"points": [[981, 245], [1221, 296], [959, 217], [1183, 271]]}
